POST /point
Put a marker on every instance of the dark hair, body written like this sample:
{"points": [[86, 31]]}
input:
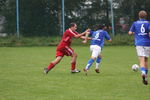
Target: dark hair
{"points": [[142, 14], [72, 24], [100, 26]]}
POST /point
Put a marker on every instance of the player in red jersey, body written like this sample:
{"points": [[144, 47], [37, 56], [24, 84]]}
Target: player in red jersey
{"points": [[64, 48]]}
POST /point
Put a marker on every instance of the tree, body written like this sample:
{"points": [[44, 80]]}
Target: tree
{"points": [[43, 17]]}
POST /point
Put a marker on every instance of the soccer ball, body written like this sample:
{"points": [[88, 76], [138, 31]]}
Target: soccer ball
{"points": [[135, 67]]}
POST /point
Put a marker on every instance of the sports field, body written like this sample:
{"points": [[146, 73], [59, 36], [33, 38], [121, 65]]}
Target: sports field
{"points": [[21, 75]]}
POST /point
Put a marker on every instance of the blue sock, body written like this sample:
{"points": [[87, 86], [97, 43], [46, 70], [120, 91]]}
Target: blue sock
{"points": [[90, 62], [143, 70], [98, 60], [146, 71]]}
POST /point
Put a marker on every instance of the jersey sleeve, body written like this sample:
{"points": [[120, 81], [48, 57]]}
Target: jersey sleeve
{"points": [[107, 36], [71, 33], [76, 32], [132, 29], [149, 27], [91, 32]]}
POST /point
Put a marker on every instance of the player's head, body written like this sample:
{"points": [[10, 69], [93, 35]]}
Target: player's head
{"points": [[95, 27], [142, 14], [73, 26], [102, 26]]}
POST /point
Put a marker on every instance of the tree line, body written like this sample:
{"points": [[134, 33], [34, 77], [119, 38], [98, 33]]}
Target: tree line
{"points": [[43, 17]]}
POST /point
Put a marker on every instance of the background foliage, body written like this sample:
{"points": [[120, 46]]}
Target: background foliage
{"points": [[54, 40], [43, 17]]}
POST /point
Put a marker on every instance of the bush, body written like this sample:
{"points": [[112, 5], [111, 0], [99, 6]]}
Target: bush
{"points": [[122, 39], [54, 40], [29, 41]]}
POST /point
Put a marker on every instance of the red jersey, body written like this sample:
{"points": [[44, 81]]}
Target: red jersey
{"points": [[67, 37]]}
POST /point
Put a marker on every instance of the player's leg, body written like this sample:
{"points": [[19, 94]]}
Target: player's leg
{"points": [[143, 64], [52, 64], [143, 53], [73, 63], [98, 60], [70, 52], [59, 56], [144, 69], [90, 62], [95, 52], [146, 66]]}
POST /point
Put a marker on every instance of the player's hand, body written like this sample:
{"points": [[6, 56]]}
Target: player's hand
{"points": [[88, 33], [130, 33], [88, 30], [84, 42]]}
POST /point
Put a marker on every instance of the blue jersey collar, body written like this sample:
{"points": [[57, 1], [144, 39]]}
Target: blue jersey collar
{"points": [[142, 19]]}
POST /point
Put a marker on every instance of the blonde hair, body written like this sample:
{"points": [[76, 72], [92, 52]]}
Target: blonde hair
{"points": [[142, 14]]}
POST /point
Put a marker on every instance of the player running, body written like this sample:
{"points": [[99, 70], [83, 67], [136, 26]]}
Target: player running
{"points": [[141, 29], [64, 48], [97, 43]]}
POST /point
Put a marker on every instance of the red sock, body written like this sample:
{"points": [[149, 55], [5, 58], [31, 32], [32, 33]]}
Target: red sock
{"points": [[73, 66], [50, 66]]}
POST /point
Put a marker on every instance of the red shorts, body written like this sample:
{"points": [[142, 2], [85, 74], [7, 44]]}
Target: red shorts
{"points": [[64, 50]]}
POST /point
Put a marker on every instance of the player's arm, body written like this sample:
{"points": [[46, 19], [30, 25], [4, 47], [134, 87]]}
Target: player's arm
{"points": [[108, 38], [85, 38], [79, 35], [131, 31]]}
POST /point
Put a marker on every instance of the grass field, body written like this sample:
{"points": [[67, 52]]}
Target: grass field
{"points": [[21, 75]]}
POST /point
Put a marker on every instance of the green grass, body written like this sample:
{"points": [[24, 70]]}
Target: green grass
{"points": [[21, 75]]}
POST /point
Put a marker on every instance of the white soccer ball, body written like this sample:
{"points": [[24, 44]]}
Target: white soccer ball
{"points": [[135, 67]]}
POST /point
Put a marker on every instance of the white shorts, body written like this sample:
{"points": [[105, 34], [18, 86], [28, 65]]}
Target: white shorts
{"points": [[143, 51], [96, 50]]}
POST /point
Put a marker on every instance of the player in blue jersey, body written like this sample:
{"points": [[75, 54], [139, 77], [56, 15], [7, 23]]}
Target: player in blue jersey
{"points": [[141, 29], [97, 43]]}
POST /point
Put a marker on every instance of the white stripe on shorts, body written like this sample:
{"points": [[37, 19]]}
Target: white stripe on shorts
{"points": [[70, 52]]}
